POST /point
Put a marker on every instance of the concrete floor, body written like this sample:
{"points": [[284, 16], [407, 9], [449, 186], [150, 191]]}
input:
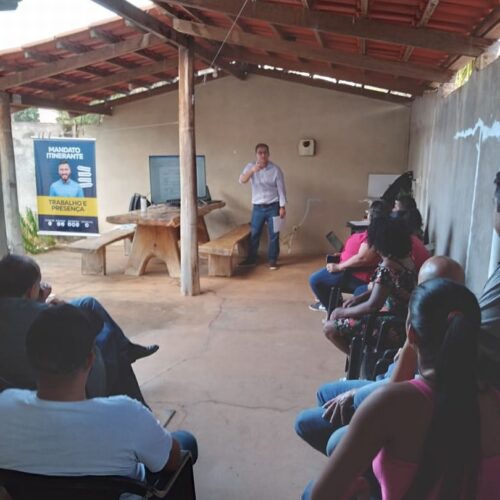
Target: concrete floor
{"points": [[236, 363]]}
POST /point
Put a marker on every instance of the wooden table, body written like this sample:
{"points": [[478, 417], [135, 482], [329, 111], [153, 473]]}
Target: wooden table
{"points": [[158, 234]]}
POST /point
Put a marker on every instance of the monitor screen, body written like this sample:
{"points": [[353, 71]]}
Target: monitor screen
{"points": [[165, 178]]}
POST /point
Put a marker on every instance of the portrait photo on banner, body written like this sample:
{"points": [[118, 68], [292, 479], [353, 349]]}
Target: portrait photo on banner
{"points": [[66, 186]]}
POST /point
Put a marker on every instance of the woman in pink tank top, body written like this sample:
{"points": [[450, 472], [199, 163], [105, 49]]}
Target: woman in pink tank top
{"points": [[434, 437]]}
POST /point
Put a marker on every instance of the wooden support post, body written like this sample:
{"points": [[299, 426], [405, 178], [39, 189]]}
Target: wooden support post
{"points": [[190, 273], [9, 184], [4, 249]]}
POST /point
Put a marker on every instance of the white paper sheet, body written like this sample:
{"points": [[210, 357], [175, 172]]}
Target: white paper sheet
{"points": [[278, 224]]}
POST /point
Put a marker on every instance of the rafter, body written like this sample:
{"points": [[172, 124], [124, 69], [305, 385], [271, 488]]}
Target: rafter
{"points": [[150, 93], [364, 13], [316, 82], [321, 69], [362, 28], [78, 61], [153, 25], [424, 19], [115, 78], [308, 4], [319, 54], [32, 101]]}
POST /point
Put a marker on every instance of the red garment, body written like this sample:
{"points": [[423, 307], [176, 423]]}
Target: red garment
{"points": [[351, 248], [419, 254]]}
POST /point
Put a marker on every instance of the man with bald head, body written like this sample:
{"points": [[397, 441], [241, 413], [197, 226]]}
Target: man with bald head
{"points": [[323, 426]]}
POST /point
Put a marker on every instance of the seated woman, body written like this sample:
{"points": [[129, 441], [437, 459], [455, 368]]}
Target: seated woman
{"points": [[356, 256], [391, 284], [435, 436]]}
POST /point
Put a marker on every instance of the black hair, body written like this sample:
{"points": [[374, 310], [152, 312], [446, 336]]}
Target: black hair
{"points": [[378, 208], [18, 274], [446, 319], [406, 201], [60, 339], [390, 237], [412, 218], [262, 145]]}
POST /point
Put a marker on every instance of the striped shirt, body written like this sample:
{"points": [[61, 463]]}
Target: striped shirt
{"points": [[268, 184]]}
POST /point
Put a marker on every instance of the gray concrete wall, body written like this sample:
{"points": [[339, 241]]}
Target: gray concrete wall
{"points": [[455, 151], [355, 136]]}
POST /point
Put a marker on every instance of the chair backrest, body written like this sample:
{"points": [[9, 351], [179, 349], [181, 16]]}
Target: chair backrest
{"points": [[26, 486]]}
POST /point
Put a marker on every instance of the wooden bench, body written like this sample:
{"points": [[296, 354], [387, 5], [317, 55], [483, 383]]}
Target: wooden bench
{"points": [[222, 259], [93, 249]]}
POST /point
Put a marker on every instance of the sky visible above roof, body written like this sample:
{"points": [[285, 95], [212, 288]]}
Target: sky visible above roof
{"points": [[36, 20]]}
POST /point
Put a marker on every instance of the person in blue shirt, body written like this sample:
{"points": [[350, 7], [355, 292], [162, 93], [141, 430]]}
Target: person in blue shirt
{"points": [[65, 186]]}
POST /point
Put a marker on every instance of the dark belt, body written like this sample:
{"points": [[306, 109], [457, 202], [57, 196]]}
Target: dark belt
{"points": [[266, 205]]}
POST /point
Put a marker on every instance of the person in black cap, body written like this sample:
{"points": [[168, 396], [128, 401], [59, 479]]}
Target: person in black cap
{"points": [[57, 430], [22, 296]]}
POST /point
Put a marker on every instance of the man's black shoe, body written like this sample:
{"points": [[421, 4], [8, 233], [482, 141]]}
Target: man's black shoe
{"points": [[136, 351], [248, 263]]}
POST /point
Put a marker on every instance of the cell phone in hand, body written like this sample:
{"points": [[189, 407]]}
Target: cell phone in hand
{"points": [[332, 259]]}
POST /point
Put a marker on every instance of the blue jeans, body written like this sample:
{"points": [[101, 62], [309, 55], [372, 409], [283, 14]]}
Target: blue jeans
{"points": [[318, 432], [186, 442], [113, 344], [260, 216], [321, 281]]}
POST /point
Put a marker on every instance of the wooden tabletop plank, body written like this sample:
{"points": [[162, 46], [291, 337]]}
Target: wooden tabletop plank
{"points": [[160, 215]]}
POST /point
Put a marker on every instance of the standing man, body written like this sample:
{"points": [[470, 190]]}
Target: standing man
{"points": [[65, 186], [268, 199]]}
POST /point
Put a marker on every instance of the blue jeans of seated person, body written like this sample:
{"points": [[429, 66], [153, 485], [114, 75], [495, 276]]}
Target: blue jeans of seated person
{"points": [[261, 216], [187, 442], [321, 281], [318, 432], [114, 345]]}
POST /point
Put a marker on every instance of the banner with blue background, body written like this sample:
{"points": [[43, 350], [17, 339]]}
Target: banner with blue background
{"points": [[66, 186]]}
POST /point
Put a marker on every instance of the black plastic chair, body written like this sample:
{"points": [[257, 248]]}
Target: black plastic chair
{"points": [[366, 349], [178, 485]]}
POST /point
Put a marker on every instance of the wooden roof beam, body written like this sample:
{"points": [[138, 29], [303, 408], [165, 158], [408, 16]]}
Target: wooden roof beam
{"points": [[153, 25], [424, 19], [110, 38], [38, 102], [313, 53], [320, 69], [308, 4], [364, 13], [369, 29], [316, 82], [115, 78], [150, 93], [77, 62]]}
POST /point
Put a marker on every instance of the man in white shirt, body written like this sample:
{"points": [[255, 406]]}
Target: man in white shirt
{"points": [[57, 431], [268, 199]]}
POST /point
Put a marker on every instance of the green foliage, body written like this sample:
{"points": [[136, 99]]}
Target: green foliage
{"points": [[27, 115], [72, 125], [463, 75], [32, 242]]}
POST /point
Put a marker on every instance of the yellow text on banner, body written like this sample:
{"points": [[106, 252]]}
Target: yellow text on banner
{"points": [[69, 207]]}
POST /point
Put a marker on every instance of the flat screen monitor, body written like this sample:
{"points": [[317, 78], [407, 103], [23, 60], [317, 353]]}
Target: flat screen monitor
{"points": [[165, 178]]}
